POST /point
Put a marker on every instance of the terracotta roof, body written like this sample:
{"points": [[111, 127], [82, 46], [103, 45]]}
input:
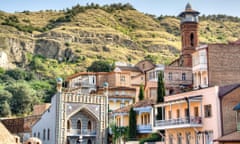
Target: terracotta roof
{"points": [[223, 90], [143, 103], [5, 136], [232, 137]]}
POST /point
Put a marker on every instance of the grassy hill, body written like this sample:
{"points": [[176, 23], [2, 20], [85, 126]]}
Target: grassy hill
{"points": [[76, 37], [46, 44]]}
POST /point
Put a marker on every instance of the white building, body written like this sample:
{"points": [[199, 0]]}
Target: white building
{"points": [[73, 118]]}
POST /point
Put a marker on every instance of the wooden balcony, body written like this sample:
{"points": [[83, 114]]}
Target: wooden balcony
{"points": [[81, 132], [178, 123]]}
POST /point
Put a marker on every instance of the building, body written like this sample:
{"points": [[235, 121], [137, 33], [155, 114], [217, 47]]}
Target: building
{"points": [[6, 137], [230, 114], [22, 126], [216, 64], [72, 118], [144, 117], [199, 116]]}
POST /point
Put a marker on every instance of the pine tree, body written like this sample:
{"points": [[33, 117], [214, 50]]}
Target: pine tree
{"points": [[160, 95], [160, 98], [141, 93], [132, 132]]}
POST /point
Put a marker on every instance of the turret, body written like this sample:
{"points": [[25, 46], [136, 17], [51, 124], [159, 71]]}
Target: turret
{"points": [[189, 34]]}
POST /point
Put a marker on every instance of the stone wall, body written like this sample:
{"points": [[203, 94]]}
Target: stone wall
{"points": [[228, 115], [224, 64]]}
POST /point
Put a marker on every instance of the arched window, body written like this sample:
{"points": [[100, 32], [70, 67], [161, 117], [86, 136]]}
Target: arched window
{"points": [[29, 142], [192, 39], [44, 134], [79, 124], [89, 125], [48, 134]]}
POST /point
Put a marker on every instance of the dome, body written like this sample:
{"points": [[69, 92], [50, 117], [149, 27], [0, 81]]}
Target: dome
{"points": [[59, 80]]}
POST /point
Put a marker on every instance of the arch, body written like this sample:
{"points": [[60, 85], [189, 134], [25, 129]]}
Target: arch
{"points": [[29, 143], [192, 39], [83, 108]]}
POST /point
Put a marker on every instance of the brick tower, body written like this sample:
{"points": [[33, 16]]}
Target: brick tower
{"points": [[189, 34]]}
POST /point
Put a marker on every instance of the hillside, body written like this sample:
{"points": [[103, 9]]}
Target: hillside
{"points": [[70, 40], [37, 47]]}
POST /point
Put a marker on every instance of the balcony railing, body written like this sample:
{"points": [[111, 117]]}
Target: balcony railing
{"points": [[76, 132], [144, 128], [179, 122]]}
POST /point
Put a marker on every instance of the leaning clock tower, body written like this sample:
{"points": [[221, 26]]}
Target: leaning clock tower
{"points": [[189, 34]]}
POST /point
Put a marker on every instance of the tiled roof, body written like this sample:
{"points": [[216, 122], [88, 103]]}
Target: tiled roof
{"points": [[232, 137], [143, 103], [5, 136], [223, 90]]}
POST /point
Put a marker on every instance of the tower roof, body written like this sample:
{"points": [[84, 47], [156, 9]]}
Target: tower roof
{"points": [[188, 10], [188, 7]]}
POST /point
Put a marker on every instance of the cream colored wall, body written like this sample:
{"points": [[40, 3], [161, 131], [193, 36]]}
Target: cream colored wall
{"points": [[183, 131]]}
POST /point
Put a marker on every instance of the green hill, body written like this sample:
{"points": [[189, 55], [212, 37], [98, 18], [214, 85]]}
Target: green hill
{"points": [[70, 40]]}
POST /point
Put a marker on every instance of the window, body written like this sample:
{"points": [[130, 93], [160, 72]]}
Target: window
{"points": [[79, 124], [179, 138], [169, 115], [48, 134], [44, 134], [122, 78], [68, 125], [122, 105], [183, 76], [192, 39], [196, 114], [38, 134], [170, 139], [209, 137], [178, 113], [89, 125], [169, 76], [186, 112], [34, 134], [143, 66], [207, 111], [188, 137]]}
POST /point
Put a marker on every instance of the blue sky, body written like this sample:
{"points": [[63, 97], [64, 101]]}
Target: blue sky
{"points": [[156, 7]]}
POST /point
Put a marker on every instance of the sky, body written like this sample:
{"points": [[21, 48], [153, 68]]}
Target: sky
{"points": [[155, 7]]}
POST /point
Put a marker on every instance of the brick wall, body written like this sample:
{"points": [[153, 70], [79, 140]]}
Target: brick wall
{"points": [[228, 115], [224, 64]]}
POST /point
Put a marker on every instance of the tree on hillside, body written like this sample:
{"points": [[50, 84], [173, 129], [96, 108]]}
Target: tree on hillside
{"points": [[101, 66], [141, 92], [132, 132], [5, 97], [23, 98]]}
